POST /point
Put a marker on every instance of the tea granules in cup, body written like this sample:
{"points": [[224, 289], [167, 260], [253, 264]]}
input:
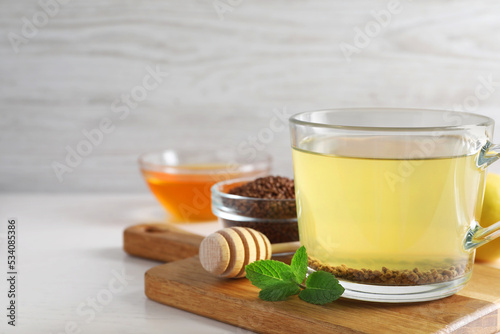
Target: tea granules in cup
{"points": [[386, 276]]}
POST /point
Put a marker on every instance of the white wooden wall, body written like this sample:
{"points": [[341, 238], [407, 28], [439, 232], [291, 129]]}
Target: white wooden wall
{"points": [[226, 74]]}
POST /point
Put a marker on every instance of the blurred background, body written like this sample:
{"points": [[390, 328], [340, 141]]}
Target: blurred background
{"points": [[87, 86]]}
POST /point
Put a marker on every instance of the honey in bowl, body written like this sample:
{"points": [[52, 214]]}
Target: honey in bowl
{"points": [[187, 196], [181, 181]]}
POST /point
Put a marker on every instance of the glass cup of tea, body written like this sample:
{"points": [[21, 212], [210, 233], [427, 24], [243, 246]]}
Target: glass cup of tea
{"points": [[389, 200]]}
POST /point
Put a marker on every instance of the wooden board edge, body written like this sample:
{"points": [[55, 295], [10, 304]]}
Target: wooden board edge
{"points": [[482, 322], [160, 290], [160, 281]]}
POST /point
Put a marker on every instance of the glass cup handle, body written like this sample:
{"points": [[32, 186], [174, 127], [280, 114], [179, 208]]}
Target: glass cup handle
{"points": [[478, 235], [489, 154]]}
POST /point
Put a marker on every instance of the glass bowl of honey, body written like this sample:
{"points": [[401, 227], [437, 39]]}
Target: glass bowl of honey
{"points": [[181, 179]]}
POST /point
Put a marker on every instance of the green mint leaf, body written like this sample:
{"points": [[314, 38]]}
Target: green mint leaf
{"points": [[269, 273], [279, 292], [278, 280], [321, 288], [299, 264]]}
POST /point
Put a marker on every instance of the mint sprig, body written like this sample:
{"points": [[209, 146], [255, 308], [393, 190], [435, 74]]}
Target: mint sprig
{"points": [[278, 281], [321, 288]]}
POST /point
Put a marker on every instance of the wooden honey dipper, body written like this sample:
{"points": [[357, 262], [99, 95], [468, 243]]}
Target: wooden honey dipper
{"points": [[226, 252]]}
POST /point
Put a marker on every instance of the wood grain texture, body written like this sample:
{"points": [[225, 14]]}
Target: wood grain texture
{"points": [[225, 76], [185, 285], [161, 242]]}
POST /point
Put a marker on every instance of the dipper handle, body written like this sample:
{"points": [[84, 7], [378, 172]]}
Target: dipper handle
{"points": [[226, 252]]}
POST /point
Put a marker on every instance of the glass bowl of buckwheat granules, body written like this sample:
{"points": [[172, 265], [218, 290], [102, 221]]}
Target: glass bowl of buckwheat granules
{"points": [[266, 204]]}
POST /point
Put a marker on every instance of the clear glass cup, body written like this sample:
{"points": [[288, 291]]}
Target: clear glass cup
{"points": [[388, 200]]}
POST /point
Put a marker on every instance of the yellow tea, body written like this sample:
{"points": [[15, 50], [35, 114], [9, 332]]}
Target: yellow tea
{"points": [[387, 211]]}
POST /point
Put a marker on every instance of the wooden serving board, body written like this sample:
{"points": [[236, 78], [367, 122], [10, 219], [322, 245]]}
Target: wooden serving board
{"points": [[185, 285], [161, 242]]}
